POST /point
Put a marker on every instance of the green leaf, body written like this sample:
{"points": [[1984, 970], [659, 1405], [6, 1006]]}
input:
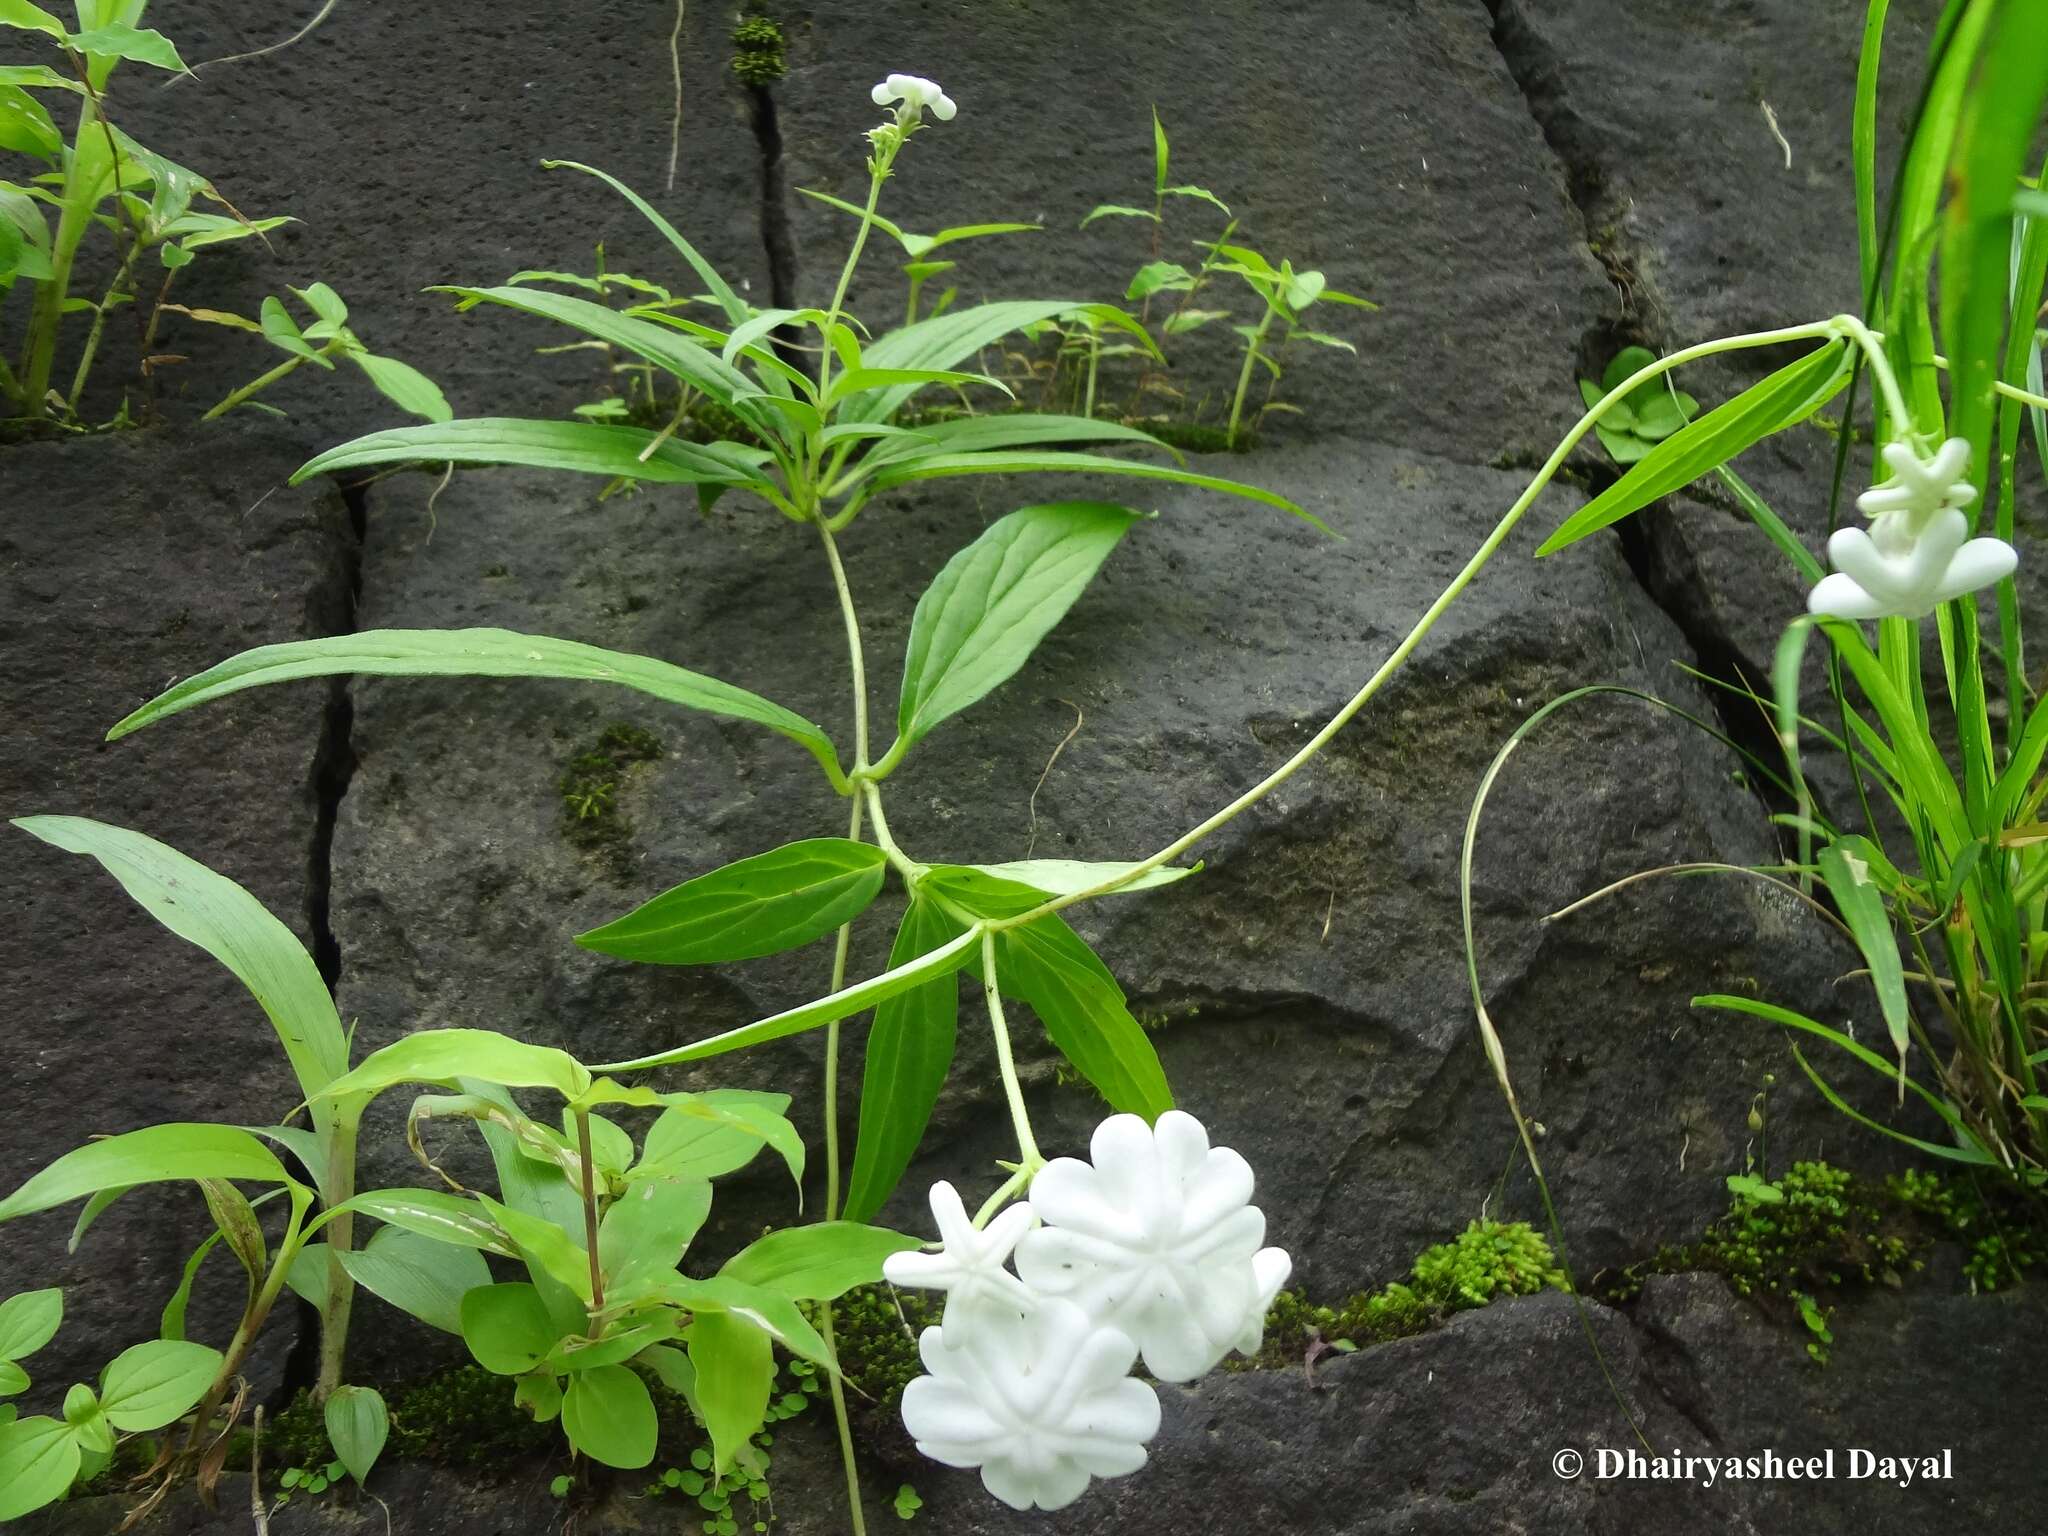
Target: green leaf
{"points": [[759, 906], [1070, 877], [1159, 152], [507, 1327], [821, 1262], [38, 1461], [28, 1321], [540, 1395], [144, 45], [936, 466], [909, 1052], [735, 1372], [217, 915], [965, 232], [1007, 429], [88, 1421], [684, 1143], [235, 1220], [478, 653], [1200, 194], [1769, 406], [30, 18], [609, 1416], [158, 1154], [647, 1229], [995, 600], [1117, 211], [283, 331], [26, 129], [857, 381], [1845, 866], [839, 1005], [735, 308], [1156, 276], [152, 1384], [1084, 1013], [404, 386], [582, 447], [444, 1055], [436, 1214], [420, 1275], [357, 1426], [942, 341], [13, 1379], [545, 1244], [325, 303]]}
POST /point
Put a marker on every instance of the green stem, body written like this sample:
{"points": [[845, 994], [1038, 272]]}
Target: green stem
{"points": [[99, 326], [1094, 358], [1244, 376], [263, 381], [1401, 652], [878, 172], [1020, 1118], [74, 219], [340, 1188], [583, 1151], [253, 1317]]}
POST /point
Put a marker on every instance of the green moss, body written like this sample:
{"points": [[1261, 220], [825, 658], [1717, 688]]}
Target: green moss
{"points": [[876, 1329], [591, 783], [1815, 1227], [1486, 1261], [758, 58], [460, 1417], [2003, 1244]]}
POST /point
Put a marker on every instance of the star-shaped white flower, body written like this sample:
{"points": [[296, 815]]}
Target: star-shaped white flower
{"points": [[1157, 1239], [1039, 1401], [969, 1267], [1922, 487], [917, 95]]}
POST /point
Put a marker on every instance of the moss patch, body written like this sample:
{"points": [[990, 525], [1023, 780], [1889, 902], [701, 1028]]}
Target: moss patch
{"points": [[591, 784], [758, 59]]}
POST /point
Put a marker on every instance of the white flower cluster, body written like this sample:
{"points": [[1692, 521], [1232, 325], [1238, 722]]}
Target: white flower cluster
{"points": [[917, 95], [1151, 1249], [1918, 552]]}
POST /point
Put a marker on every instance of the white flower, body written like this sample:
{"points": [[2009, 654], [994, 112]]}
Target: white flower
{"points": [[1918, 553], [1159, 1240], [917, 94], [969, 1269], [1039, 1401]]}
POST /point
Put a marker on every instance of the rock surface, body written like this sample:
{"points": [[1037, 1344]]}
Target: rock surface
{"points": [[126, 562]]}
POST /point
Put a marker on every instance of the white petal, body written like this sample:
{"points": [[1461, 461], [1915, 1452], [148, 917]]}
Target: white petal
{"points": [[1000, 1237], [943, 108], [1977, 564], [1174, 1345], [924, 1271], [1838, 596], [1067, 1193], [1222, 1184], [1270, 1269], [950, 1215], [1182, 1142], [881, 95]]}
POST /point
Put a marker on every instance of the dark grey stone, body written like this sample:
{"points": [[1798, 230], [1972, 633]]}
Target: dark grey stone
{"points": [[126, 562]]}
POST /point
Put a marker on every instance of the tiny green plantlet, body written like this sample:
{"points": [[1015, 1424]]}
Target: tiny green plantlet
{"points": [[325, 338], [1286, 295], [921, 268], [1632, 426]]}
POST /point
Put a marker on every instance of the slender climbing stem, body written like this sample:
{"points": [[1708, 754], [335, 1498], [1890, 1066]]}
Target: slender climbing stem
{"points": [[1251, 797], [853, 650], [1020, 1118], [590, 1215], [878, 172]]}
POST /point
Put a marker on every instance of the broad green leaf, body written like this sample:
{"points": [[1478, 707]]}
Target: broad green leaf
{"points": [[942, 465], [283, 331], [217, 915], [862, 380], [735, 1371], [357, 1427], [144, 45], [1157, 275], [1084, 1013], [507, 1328], [540, 1395], [437, 1214], [942, 341], [583, 447], [30, 18], [13, 1380], [444, 1055], [325, 303], [647, 1229], [758, 906], [148, 1386], [311, 1273], [817, 1263], [609, 1416], [673, 1366], [548, 1245], [478, 653], [739, 1112], [28, 1321], [681, 1144], [404, 386], [1069, 877], [420, 1275], [774, 1314], [735, 308], [1200, 194], [1769, 406], [541, 1192], [38, 1460], [1008, 429], [1845, 866], [909, 1052], [839, 1005], [25, 129], [995, 600], [156, 1155], [919, 245]]}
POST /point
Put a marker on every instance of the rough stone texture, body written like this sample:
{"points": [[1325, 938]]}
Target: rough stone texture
{"points": [[1317, 1011], [126, 562], [407, 138], [1451, 1432], [1383, 143]]}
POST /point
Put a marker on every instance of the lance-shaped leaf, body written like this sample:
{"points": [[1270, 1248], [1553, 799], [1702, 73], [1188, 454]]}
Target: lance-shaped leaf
{"points": [[149, 1385], [687, 1142], [1069, 877], [28, 1321], [909, 1053], [39, 1457], [842, 1004], [479, 653], [937, 466], [420, 1275], [1846, 865], [217, 915], [1084, 1013], [995, 600], [1770, 405], [446, 1056], [1009, 429], [735, 307], [437, 1214], [735, 1373], [156, 1155], [817, 1263], [585, 447], [759, 906]]}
